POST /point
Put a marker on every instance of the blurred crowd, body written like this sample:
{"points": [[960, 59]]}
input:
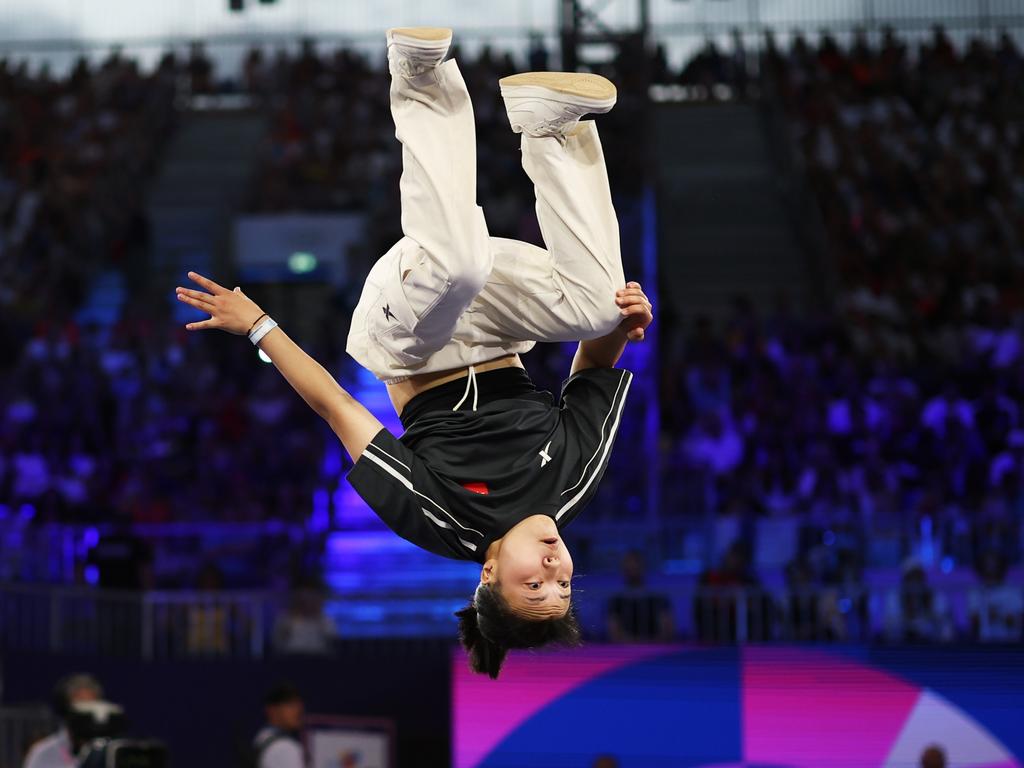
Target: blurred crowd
{"points": [[916, 160], [892, 423], [139, 423], [75, 153], [332, 145], [889, 423]]}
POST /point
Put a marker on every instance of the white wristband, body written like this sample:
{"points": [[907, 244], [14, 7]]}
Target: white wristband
{"points": [[259, 324], [262, 330]]}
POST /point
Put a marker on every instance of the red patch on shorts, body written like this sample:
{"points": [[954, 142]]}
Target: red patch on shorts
{"points": [[480, 488]]}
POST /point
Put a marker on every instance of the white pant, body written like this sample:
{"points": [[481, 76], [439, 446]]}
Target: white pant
{"points": [[447, 295]]}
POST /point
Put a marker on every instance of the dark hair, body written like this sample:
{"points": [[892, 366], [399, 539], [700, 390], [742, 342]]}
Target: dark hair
{"points": [[281, 693], [66, 688], [488, 628], [933, 757]]}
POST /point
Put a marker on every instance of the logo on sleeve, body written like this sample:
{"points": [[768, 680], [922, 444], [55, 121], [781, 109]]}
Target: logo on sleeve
{"points": [[545, 457], [388, 314]]}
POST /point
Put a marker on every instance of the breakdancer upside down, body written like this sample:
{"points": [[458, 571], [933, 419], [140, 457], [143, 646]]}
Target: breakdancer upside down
{"points": [[489, 468]]}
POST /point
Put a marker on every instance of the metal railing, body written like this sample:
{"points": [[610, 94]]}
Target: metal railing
{"points": [[240, 625], [830, 614], [683, 26], [147, 625]]}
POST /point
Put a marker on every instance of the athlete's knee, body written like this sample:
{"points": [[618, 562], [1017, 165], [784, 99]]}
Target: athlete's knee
{"points": [[468, 262], [467, 256], [598, 297], [468, 276], [605, 315], [587, 303], [587, 316]]}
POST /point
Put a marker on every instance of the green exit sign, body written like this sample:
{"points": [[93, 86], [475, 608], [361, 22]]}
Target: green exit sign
{"points": [[302, 262]]}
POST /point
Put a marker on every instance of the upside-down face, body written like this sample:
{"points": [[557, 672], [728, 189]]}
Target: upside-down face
{"points": [[534, 570]]}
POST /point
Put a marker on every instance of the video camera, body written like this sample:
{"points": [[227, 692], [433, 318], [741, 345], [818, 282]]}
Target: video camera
{"points": [[96, 729]]}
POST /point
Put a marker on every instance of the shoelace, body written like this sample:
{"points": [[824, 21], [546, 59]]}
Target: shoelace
{"points": [[470, 384], [411, 63], [558, 126], [409, 67]]}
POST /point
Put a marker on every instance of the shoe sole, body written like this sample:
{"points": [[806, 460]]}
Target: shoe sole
{"points": [[585, 89], [420, 37]]}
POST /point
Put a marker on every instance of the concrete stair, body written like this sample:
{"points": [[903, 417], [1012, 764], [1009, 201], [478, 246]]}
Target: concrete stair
{"points": [[199, 189], [724, 228]]}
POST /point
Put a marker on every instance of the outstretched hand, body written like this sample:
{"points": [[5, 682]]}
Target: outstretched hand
{"points": [[230, 311], [637, 312]]}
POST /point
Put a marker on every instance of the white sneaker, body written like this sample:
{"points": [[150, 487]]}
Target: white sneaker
{"points": [[415, 50], [552, 103]]}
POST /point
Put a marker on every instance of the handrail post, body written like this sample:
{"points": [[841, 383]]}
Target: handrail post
{"points": [[54, 621], [147, 627], [259, 631], [741, 615]]}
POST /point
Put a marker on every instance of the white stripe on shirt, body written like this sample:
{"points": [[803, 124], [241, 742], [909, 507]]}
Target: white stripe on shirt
{"points": [[394, 473], [397, 461], [583, 474], [608, 444]]}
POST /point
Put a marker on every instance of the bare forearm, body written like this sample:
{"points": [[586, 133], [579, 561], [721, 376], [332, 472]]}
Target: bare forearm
{"points": [[354, 425], [310, 379], [235, 312], [602, 352]]}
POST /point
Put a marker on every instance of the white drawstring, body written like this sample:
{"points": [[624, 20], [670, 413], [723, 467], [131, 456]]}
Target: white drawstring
{"points": [[470, 383]]}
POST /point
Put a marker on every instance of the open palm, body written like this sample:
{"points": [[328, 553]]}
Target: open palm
{"points": [[230, 311]]}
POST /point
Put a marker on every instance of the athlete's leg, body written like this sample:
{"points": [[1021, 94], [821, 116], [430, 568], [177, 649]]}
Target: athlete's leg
{"points": [[434, 122], [417, 291], [568, 291], [578, 223]]}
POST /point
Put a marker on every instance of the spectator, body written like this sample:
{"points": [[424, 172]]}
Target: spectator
{"points": [[638, 614], [933, 757], [723, 592], [918, 614], [304, 628], [997, 608], [208, 620], [714, 444], [803, 604], [122, 559], [278, 743], [943, 411], [56, 750], [844, 602], [1010, 462]]}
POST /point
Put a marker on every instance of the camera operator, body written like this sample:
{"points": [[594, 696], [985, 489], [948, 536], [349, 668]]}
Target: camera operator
{"points": [[56, 751], [277, 745]]}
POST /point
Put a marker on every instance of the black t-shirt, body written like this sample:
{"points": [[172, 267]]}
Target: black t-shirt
{"points": [[120, 559], [460, 479]]}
